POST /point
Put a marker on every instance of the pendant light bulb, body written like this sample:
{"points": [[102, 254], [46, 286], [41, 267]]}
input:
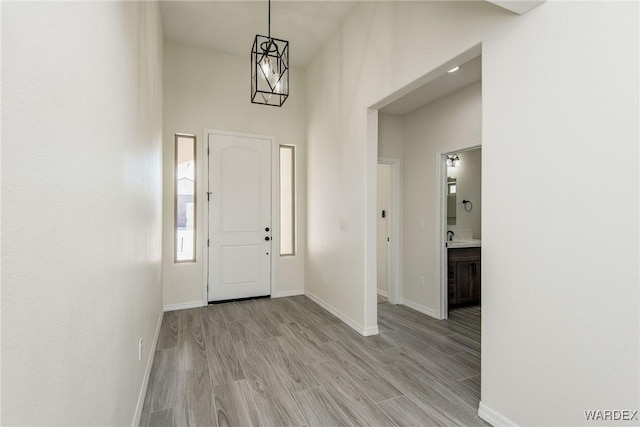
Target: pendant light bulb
{"points": [[265, 64]]}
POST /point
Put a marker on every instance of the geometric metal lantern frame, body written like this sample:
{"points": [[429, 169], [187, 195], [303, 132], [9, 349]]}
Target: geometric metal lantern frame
{"points": [[269, 70]]}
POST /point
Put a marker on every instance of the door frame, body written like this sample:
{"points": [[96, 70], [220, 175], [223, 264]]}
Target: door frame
{"points": [[275, 203], [395, 236], [441, 225]]}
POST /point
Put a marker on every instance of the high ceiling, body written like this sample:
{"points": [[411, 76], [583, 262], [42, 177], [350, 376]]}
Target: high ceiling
{"points": [[230, 26]]}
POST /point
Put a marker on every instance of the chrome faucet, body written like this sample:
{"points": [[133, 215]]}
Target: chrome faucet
{"points": [[449, 235]]}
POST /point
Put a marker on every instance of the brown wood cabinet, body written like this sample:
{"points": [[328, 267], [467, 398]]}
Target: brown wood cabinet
{"points": [[464, 276]]}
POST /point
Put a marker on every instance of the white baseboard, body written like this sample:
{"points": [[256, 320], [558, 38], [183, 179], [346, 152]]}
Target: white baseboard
{"points": [[183, 305], [371, 330], [494, 418], [147, 373], [383, 293], [291, 293], [419, 307]]}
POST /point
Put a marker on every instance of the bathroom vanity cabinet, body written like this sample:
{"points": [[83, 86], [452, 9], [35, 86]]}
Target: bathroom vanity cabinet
{"points": [[464, 276]]}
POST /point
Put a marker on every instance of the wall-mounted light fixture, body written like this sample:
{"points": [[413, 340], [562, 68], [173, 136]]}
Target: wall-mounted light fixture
{"points": [[269, 69], [453, 160]]}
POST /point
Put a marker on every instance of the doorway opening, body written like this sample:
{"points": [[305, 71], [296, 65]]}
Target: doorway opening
{"points": [[389, 214], [384, 231], [461, 232], [437, 115]]}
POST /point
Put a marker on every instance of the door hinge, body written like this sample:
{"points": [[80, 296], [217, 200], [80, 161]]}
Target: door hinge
{"points": [[208, 196], [207, 242]]}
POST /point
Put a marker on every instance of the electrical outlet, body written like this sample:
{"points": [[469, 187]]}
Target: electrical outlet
{"points": [[140, 345], [421, 225], [421, 281]]}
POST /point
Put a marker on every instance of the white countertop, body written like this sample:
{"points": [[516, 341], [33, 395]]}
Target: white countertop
{"points": [[464, 243]]}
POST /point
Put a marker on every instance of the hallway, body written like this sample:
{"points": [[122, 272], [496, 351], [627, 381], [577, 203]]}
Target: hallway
{"points": [[288, 362]]}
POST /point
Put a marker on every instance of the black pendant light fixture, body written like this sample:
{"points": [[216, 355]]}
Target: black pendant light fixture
{"points": [[269, 69]]}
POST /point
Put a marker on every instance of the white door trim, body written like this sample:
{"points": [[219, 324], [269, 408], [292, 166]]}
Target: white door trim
{"points": [[275, 212], [441, 225], [395, 235]]}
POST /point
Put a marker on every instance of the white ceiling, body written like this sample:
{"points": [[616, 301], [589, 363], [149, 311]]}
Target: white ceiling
{"points": [[230, 26], [469, 72]]}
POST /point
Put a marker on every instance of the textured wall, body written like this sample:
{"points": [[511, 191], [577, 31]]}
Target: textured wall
{"points": [[81, 213]]}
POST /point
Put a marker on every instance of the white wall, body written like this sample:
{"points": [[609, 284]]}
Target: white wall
{"points": [[81, 226], [390, 136], [440, 127], [556, 317], [209, 89], [468, 176]]}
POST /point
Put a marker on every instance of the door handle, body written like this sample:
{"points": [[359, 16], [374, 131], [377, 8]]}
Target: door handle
{"points": [[267, 238], [266, 229]]}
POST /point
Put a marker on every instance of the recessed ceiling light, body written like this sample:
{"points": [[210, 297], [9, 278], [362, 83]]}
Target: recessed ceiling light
{"points": [[453, 70]]}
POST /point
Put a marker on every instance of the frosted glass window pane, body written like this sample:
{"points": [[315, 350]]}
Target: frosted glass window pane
{"points": [[287, 201], [185, 198]]}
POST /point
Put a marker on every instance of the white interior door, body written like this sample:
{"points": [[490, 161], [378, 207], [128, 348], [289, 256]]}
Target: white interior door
{"points": [[239, 217], [384, 203]]}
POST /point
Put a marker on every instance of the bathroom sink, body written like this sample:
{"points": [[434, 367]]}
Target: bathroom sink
{"points": [[464, 243]]}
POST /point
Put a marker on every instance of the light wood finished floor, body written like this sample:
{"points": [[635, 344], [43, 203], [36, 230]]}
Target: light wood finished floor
{"points": [[288, 362]]}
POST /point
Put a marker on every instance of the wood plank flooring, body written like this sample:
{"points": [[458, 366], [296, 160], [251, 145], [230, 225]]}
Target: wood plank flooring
{"points": [[288, 362]]}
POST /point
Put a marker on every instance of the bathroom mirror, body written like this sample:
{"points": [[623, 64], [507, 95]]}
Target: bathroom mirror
{"points": [[451, 200]]}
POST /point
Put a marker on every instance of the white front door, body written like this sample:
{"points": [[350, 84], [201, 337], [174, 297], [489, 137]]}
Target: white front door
{"points": [[239, 217]]}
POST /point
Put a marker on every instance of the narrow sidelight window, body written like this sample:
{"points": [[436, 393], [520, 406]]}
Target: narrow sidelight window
{"points": [[287, 200], [185, 198]]}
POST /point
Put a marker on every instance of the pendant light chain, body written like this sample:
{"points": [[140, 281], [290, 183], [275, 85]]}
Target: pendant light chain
{"points": [[269, 19]]}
